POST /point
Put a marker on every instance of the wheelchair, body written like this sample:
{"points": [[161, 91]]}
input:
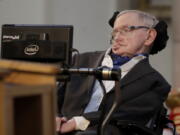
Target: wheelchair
{"points": [[159, 121], [156, 125]]}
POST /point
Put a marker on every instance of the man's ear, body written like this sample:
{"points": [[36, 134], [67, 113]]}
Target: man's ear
{"points": [[152, 33]]}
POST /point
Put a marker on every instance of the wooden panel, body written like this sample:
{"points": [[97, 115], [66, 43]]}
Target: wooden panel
{"points": [[29, 66], [27, 100], [29, 73], [28, 115], [28, 110], [2, 116]]}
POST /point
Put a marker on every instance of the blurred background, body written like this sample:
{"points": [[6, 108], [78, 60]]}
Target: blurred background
{"points": [[90, 21]]}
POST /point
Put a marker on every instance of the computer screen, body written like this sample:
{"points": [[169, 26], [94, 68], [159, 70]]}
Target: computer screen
{"points": [[42, 43]]}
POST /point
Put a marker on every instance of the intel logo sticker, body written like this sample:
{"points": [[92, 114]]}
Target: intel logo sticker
{"points": [[31, 49]]}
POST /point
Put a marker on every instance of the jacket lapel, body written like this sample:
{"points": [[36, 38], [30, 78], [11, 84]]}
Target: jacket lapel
{"points": [[97, 59], [96, 62], [139, 70], [91, 60]]}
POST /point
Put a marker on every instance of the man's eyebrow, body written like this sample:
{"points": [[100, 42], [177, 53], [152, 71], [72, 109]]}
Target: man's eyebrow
{"points": [[123, 26]]}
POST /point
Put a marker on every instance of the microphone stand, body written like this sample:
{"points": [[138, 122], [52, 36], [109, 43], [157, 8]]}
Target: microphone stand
{"points": [[115, 104]]}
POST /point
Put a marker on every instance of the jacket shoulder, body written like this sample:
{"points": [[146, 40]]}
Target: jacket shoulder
{"points": [[92, 53], [87, 59]]}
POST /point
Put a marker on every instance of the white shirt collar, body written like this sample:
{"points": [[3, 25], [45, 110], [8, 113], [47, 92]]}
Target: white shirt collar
{"points": [[125, 68]]}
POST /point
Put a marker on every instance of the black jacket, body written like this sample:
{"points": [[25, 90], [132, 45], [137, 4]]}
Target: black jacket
{"points": [[143, 92]]}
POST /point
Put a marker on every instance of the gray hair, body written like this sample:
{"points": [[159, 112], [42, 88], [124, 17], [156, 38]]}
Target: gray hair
{"points": [[148, 19]]}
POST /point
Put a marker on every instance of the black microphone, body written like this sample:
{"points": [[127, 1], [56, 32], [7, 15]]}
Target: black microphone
{"points": [[104, 73]]}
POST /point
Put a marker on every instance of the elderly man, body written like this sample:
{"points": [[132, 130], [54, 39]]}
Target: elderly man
{"points": [[135, 36]]}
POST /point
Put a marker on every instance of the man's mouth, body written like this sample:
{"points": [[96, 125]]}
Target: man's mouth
{"points": [[117, 45]]}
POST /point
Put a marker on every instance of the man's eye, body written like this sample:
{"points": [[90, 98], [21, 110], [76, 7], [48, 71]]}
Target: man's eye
{"points": [[114, 33], [126, 30]]}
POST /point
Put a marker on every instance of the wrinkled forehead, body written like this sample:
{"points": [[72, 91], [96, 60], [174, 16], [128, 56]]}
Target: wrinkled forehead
{"points": [[128, 19], [140, 17]]}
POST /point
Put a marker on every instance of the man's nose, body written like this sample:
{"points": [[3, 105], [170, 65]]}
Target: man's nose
{"points": [[118, 36]]}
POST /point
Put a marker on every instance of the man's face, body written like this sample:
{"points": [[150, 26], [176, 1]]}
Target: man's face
{"points": [[128, 42]]}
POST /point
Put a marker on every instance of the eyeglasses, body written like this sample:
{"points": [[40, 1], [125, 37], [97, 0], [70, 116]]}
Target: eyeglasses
{"points": [[126, 30]]}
